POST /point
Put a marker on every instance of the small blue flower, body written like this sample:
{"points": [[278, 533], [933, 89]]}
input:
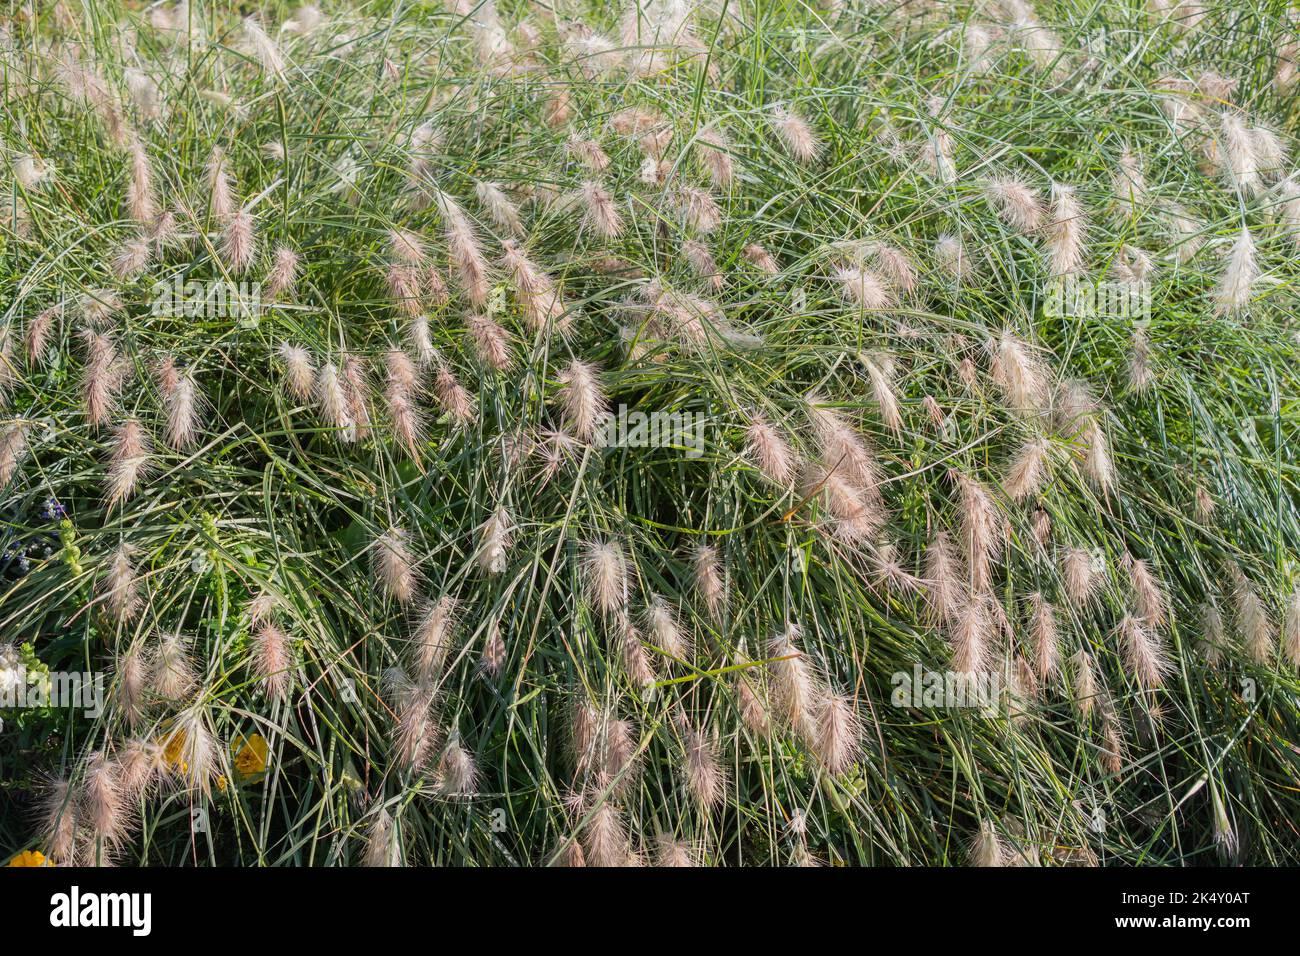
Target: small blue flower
{"points": [[53, 510]]}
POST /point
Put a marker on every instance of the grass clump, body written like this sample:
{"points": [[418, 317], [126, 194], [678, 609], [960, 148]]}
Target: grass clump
{"points": [[372, 578]]}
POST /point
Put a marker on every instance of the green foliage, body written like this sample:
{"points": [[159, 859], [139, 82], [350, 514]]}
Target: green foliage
{"points": [[271, 502]]}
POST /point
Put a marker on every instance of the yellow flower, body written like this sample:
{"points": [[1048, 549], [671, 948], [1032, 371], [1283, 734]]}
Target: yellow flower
{"points": [[251, 755], [30, 858], [172, 750]]}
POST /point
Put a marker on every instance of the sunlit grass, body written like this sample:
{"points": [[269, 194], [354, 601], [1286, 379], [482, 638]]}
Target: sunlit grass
{"points": [[270, 501]]}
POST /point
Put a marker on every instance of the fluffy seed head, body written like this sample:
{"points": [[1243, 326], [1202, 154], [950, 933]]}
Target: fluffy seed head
{"points": [[141, 765], [705, 777], [1129, 182], [132, 684], [663, 629], [395, 565], [636, 661], [1084, 678], [38, 334], [434, 638], [601, 215], [493, 659], [300, 370], [670, 852], [404, 413], [101, 378], [13, 448], [60, 820], [837, 733], [407, 247], [887, 570], [458, 773], [405, 284], [140, 200], [283, 276], [793, 682], [129, 462], [120, 588], [1144, 653], [712, 148], [604, 576], [499, 207], [842, 448], [1214, 638], [1251, 618], [239, 241], [880, 372], [355, 383], [768, 449], [1021, 375], [1140, 374], [1065, 232], [761, 259], [702, 263], [604, 840], [1029, 469], [982, 529], [382, 850], [535, 291], [333, 403], [750, 699], [698, 209], [491, 342], [173, 676], [131, 258], [465, 251], [264, 49], [710, 581], [1239, 161], [103, 807], [272, 657], [421, 341], [1043, 636], [856, 513], [795, 135], [862, 287], [945, 581], [1080, 576], [183, 404], [1291, 629], [1239, 276], [454, 399], [221, 191], [589, 153], [415, 735], [582, 400], [952, 257], [1149, 600], [986, 849], [970, 635], [1098, 464], [494, 541], [197, 754], [1016, 203]]}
